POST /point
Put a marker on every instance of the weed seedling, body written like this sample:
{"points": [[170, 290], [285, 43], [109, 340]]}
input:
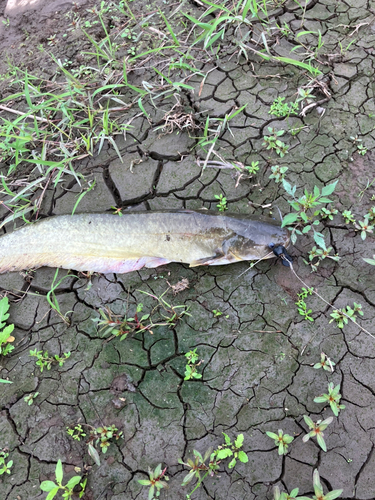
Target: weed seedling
{"points": [[306, 209], [326, 363], [222, 205], [44, 360], [97, 436], [281, 441], [286, 496], [301, 304], [30, 398], [342, 316], [317, 430], [53, 488], [192, 365], [364, 227], [318, 490], [333, 398], [280, 108], [199, 466], [5, 334], [76, 433], [278, 173], [320, 254], [156, 481], [348, 216], [272, 141], [5, 466]]}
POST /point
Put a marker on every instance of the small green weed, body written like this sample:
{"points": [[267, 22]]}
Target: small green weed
{"points": [[163, 314], [326, 363], [301, 304], [317, 430], [320, 255], [280, 108], [222, 205], [272, 141], [5, 466], [5, 334], [44, 360], [157, 481], [199, 465], [286, 496], [30, 398], [342, 316], [97, 436], [282, 441], [306, 209], [192, 365], [333, 398], [53, 488], [278, 173]]}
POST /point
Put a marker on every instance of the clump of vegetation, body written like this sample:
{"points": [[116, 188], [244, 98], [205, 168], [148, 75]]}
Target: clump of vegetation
{"points": [[318, 490], [192, 365], [44, 360], [278, 173], [307, 209], [342, 316], [319, 254], [157, 481], [222, 205], [280, 108], [101, 436], [333, 398], [282, 441], [163, 314], [272, 141], [6, 338], [301, 304], [67, 490], [317, 430], [325, 362], [209, 463], [4, 465], [30, 398]]}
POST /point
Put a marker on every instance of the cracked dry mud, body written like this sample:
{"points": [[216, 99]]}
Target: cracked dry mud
{"points": [[258, 356]]}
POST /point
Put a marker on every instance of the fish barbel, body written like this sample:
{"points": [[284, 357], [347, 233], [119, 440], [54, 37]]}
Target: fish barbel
{"points": [[107, 243]]}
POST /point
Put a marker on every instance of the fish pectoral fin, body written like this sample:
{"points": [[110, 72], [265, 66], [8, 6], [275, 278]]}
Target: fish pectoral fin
{"points": [[213, 260]]}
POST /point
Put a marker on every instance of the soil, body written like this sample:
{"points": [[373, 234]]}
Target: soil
{"points": [[258, 355]]}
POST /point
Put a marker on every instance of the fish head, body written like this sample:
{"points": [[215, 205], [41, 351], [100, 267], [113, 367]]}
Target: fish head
{"points": [[256, 241]]}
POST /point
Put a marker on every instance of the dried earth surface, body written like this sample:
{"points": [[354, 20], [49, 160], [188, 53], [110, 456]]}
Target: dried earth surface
{"points": [[258, 355]]}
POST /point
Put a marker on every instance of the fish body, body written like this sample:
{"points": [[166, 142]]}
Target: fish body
{"points": [[107, 243]]}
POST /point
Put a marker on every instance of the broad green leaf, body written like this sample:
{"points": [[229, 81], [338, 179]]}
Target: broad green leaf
{"points": [[327, 190], [242, 457], [144, 482], [320, 399], [332, 494], [239, 441], [321, 442], [319, 240], [289, 219], [225, 453], [52, 493], [232, 463], [94, 454], [59, 472], [227, 439], [73, 482], [288, 187], [272, 435], [48, 486]]}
